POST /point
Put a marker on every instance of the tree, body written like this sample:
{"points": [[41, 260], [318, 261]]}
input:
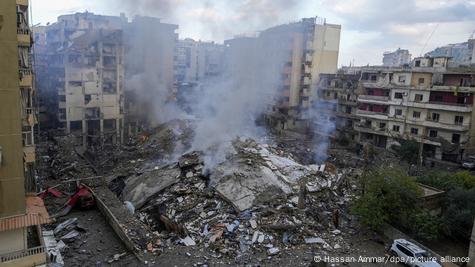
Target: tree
{"points": [[388, 195], [408, 150]]}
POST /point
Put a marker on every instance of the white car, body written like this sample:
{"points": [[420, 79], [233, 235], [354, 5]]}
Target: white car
{"points": [[412, 255]]}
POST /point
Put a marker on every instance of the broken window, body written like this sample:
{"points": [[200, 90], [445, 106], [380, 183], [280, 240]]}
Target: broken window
{"points": [[382, 125], [402, 79], [421, 81], [75, 83], [87, 99], [458, 120], [75, 125], [455, 138], [416, 114], [93, 113], [432, 133], [414, 131], [418, 97]]}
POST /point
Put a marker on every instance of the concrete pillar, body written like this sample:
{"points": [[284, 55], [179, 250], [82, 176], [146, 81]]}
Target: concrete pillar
{"points": [[84, 133], [101, 130], [471, 250], [438, 153]]}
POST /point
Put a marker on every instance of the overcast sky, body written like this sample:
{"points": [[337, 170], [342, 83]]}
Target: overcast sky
{"points": [[369, 27]]}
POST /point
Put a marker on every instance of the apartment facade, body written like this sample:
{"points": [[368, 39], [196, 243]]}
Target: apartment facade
{"points": [[197, 60], [338, 92], [397, 58], [428, 103], [21, 212], [81, 76], [313, 47]]}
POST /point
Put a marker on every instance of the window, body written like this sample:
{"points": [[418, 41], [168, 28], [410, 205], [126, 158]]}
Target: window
{"points": [[402, 79], [418, 97], [455, 138], [373, 77], [370, 92], [435, 116], [62, 98], [398, 112], [418, 63], [405, 251], [421, 81], [414, 131], [75, 125], [348, 110], [87, 99], [382, 125], [416, 114], [396, 128], [398, 95], [458, 120], [432, 133]]}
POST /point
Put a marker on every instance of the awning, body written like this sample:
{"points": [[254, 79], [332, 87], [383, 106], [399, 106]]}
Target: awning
{"points": [[36, 214]]}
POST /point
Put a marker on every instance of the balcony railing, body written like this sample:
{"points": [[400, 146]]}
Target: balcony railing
{"points": [[373, 97], [21, 254], [450, 103]]}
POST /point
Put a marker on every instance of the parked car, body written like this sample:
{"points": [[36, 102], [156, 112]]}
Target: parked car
{"points": [[469, 163], [412, 255]]}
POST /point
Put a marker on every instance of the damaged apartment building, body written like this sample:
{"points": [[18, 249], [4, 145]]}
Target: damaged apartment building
{"points": [[312, 47], [84, 60], [196, 60], [84, 72], [428, 102], [21, 211]]}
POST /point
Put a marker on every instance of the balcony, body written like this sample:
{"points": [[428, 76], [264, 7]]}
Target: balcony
{"points": [[306, 81], [306, 92], [24, 37], [448, 106], [373, 98], [446, 126], [451, 88], [29, 154], [29, 118], [26, 78], [372, 114], [22, 2], [26, 257]]}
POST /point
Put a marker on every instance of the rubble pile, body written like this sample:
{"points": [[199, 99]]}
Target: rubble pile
{"points": [[258, 201]]}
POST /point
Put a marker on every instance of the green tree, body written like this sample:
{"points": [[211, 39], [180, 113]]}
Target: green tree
{"points": [[408, 150], [388, 195], [425, 225]]}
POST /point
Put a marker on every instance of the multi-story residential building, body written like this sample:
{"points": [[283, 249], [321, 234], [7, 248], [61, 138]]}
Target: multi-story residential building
{"points": [[397, 58], [338, 93], [84, 61], [196, 60], [81, 76], [149, 69], [429, 103], [21, 212], [312, 48], [460, 53]]}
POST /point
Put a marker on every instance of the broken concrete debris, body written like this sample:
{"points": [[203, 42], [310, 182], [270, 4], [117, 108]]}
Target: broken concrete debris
{"points": [[246, 203], [249, 203]]}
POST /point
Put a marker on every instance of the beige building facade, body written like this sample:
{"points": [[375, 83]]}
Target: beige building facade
{"points": [[21, 212]]}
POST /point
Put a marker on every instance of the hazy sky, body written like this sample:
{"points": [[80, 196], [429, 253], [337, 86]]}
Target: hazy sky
{"points": [[369, 27]]}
